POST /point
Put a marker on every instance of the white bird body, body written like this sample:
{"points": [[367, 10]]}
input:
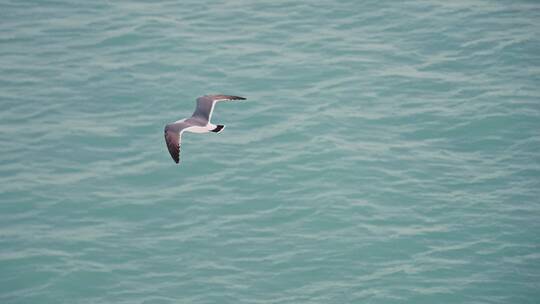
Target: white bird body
{"points": [[198, 129]]}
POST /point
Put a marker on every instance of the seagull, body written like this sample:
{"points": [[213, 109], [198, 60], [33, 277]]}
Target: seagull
{"points": [[199, 122]]}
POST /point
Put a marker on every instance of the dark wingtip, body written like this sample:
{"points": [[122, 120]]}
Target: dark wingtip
{"points": [[177, 156], [238, 98], [217, 129]]}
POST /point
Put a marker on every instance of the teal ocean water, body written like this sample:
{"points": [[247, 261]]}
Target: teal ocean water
{"points": [[388, 152]]}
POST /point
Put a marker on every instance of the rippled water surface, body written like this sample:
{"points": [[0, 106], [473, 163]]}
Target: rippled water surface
{"points": [[388, 152]]}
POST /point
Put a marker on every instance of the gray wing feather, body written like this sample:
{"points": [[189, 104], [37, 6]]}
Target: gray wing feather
{"points": [[173, 138], [205, 106]]}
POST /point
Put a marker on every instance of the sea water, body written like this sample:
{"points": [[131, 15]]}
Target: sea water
{"points": [[388, 152]]}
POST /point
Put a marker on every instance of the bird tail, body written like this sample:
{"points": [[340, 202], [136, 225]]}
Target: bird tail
{"points": [[218, 128]]}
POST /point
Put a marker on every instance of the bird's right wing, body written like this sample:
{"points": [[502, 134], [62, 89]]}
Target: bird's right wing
{"points": [[173, 138], [205, 105]]}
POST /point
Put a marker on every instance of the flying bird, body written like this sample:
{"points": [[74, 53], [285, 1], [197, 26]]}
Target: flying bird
{"points": [[199, 122]]}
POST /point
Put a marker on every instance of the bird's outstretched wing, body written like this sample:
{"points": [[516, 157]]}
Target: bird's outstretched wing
{"points": [[173, 138], [205, 105]]}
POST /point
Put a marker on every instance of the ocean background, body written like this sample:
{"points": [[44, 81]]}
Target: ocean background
{"points": [[388, 152]]}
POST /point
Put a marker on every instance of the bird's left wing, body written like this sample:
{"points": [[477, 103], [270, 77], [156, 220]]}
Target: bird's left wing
{"points": [[173, 138]]}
